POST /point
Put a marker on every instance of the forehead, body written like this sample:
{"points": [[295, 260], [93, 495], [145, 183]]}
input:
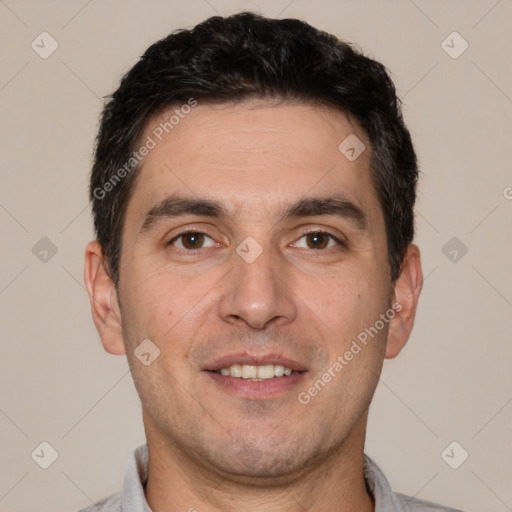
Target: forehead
{"points": [[252, 156]]}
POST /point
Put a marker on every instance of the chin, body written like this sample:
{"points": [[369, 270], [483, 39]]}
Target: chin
{"points": [[259, 462]]}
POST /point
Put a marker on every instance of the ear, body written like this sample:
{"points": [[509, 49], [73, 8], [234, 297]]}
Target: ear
{"points": [[103, 296], [405, 299]]}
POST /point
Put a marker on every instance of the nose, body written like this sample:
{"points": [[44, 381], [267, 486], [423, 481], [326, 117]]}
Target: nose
{"points": [[256, 292]]}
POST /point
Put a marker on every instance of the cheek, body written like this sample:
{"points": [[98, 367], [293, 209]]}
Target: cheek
{"points": [[166, 305], [347, 301], [149, 304]]}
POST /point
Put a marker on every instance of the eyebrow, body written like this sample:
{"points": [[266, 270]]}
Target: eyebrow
{"points": [[338, 206], [175, 206]]}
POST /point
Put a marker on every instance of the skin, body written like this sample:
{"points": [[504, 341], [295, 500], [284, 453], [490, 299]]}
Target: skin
{"points": [[210, 449]]}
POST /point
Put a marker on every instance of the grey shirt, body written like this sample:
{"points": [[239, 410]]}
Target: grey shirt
{"points": [[132, 499]]}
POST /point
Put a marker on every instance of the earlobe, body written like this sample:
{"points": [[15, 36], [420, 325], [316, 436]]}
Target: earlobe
{"points": [[406, 293], [103, 298]]}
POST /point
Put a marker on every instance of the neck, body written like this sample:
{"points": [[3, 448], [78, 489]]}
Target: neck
{"points": [[334, 483]]}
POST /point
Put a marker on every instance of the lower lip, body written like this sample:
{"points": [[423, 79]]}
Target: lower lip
{"points": [[263, 389]]}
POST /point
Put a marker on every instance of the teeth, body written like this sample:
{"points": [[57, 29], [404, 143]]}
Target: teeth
{"points": [[264, 372], [235, 370], [278, 370], [249, 372]]}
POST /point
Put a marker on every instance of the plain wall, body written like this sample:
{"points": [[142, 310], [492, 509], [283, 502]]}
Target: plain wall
{"points": [[451, 383]]}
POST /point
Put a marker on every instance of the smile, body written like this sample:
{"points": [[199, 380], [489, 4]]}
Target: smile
{"points": [[256, 373]]}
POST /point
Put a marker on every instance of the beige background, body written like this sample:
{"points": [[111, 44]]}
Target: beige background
{"points": [[451, 383]]}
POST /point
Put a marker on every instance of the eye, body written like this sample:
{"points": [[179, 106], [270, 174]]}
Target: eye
{"points": [[192, 240], [317, 240]]}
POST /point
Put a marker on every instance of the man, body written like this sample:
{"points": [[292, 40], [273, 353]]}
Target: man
{"points": [[253, 193]]}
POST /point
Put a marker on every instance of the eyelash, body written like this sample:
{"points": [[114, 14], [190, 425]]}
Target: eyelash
{"points": [[316, 232]]}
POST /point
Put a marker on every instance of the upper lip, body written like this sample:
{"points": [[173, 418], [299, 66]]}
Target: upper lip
{"points": [[255, 360]]}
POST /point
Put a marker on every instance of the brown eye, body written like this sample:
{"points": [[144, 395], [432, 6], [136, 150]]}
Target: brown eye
{"points": [[192, 241], [317, 240]]}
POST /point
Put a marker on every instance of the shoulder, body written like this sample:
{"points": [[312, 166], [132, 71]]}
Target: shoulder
{"points": [[410, 504], [386, 499], [110, 504]]}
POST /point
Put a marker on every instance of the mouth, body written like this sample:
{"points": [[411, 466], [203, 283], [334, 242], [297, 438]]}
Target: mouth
{"points": [[256, 373], [259, 377]]}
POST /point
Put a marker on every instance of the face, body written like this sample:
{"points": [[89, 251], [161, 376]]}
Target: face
{"points": [[252, 245]]}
